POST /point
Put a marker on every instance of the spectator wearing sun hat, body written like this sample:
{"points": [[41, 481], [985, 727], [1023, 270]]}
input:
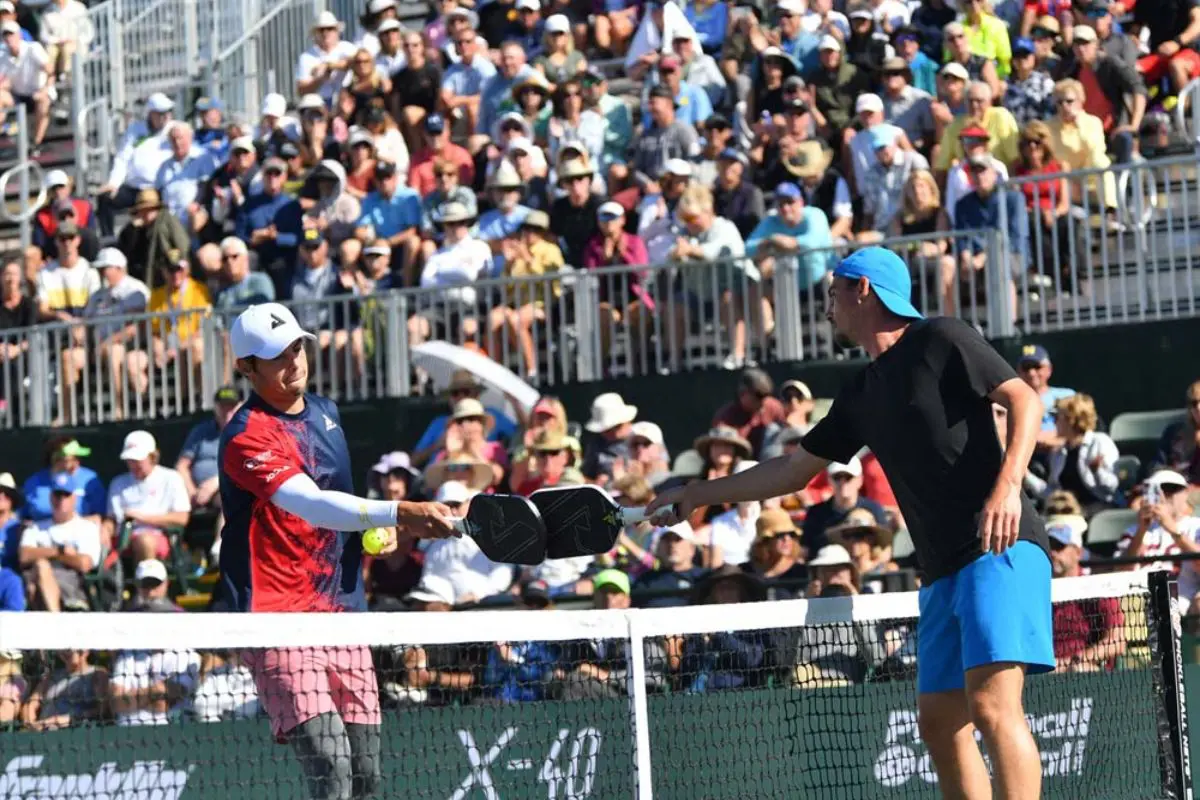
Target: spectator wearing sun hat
{"points": [[611, 420], [573, 216]]}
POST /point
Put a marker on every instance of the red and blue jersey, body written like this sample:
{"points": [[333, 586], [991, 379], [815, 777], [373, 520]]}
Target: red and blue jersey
{"points": [[272, 560]]}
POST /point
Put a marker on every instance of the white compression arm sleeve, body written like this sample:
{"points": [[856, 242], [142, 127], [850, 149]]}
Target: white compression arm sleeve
{"points": [[336, 511]]}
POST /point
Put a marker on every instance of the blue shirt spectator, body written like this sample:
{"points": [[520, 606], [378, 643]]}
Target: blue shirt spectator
{"points": [[692, 104], [723, 660], [795, 220], [10, 528], [12, 592], [710, 23], [467, 77], [261, 211], [392, 209], [987, 206], [178, 180], [924, 72], [93, 501], [496, 90], [252, 289], [519, 672], [497, 224]]}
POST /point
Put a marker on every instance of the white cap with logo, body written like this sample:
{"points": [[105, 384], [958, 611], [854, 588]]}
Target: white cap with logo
{"points": [[265, 331], [151, 569], [851, 467], [138, 445]]}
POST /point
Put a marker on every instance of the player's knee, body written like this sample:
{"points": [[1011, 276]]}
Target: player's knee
{"points": [[991, 711]]}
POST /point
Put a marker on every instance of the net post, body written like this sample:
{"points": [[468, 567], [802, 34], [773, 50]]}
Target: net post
{"points": [[1165, 631], [635, 657]]}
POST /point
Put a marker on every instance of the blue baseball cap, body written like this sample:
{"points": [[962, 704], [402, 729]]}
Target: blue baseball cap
{"points": [[1034, 354], [888, 275], [788, 190], [882, 136], [1023, 45], [63, 483], [434, 123], [209, 104]]}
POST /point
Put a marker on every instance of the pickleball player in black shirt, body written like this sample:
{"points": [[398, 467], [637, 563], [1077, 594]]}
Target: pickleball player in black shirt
{"points": [[924, 408]]}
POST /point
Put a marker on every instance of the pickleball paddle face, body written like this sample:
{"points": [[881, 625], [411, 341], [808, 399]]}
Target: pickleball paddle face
{"points": [[580, 520], [507, 529]]}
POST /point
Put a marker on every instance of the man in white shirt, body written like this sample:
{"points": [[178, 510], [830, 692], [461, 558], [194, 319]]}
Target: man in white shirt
{"points": [[179, 177], [65, 285], [150, 497], [458, 263], [120, 190], [731, 533], [66, 28], [151, 687], [56, 554], [473, 575], [321, 69], [26, 77], [860, 156]]}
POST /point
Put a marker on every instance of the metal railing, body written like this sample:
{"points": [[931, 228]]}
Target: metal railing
{"points": [[28, 173], [1121, 252]]}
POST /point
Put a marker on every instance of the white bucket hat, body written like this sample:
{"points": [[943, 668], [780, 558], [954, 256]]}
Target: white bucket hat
{"points": [[608, 411]]}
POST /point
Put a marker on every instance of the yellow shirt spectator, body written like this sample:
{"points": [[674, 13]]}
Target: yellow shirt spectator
{"points": [[1003, 138], [544, 258], [1080, 144], [179, 294], [990, 39]]}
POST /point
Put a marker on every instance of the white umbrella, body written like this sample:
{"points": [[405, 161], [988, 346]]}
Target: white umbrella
{"points": [[441, 360]]}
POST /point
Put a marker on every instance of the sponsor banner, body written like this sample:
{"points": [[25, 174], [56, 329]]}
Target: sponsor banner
{"points": [[1096, 734]]}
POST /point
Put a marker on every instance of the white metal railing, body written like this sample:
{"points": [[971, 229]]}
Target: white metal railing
{"points": [[1122, 252]]}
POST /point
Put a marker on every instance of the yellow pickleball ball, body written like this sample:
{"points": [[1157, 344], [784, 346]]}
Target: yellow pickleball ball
{"points": [[374, 541]]}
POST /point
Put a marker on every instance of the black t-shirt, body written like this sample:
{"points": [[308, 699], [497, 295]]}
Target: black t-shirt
{"points": [[22, 315], [1070, 479], [1166, 19], [574, 226], [418, 87], [923, 409], [496, 22]]}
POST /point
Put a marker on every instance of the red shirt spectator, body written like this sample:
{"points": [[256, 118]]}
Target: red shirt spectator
{"points": [[1080, 624], [420, 168], [1043, 193], [755, 408], [625, 249]]}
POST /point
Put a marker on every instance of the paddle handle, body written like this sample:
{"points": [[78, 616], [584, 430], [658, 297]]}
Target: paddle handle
{"points": [[460, 526], [636, 514]]}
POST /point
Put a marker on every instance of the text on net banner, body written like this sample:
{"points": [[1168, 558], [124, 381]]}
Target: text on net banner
{"points": [[859, 741]]}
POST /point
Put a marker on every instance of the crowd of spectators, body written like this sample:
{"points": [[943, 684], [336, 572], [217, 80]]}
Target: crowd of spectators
{"points": [[842, 535], [487, 144]]}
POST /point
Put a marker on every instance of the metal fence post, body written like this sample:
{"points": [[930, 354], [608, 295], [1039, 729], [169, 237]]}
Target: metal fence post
{"points": [[587, 328], [396, 361], [789, 337], [191, 34], [116, 50], [39, 409], [999, 274]]}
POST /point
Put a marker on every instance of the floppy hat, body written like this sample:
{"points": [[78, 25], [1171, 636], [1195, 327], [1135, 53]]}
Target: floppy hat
{"points": [[608, 411]]}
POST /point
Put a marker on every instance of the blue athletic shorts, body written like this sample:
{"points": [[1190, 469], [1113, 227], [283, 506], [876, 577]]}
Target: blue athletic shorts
{"points": [[995, 609]]}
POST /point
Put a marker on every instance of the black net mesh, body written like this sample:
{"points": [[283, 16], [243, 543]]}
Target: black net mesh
{"points": [[819, 711]]}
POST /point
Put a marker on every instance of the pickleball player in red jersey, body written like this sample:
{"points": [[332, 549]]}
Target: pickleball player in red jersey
{"points": [[292, 542]]}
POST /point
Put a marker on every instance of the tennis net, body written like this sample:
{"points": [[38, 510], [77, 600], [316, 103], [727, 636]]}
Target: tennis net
{"points": [[785, 699]]}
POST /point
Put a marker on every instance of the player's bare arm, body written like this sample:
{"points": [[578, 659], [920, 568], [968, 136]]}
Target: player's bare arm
{"points": [[999, 524], [773, 478]]}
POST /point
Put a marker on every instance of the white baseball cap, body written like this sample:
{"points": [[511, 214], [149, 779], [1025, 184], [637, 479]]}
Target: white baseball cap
{"points": [[648, 431], [868, 102], [138, 445], [832, 555], [829, 43], [310, 101], [274, 105], [388, 25], [531, 5], [1066, 528], [678, 167], [558, 23], [10, 26], [151, 568], [853, 466], [265, 331], [453, 492], [379, 6], [160, 103], [6, 7], [956, 70], [110, 257], [56, 177], [681, 529]]}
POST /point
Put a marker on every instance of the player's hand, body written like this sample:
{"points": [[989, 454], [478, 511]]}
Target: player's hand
{"points": [[427, 520], [1000, 523], [674, 505]]}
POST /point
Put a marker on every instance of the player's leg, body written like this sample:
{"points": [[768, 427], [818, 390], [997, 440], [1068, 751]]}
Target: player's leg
{"points": [[322, 746], [365, 766], [1003, 607], [293, 688], [355, 693], [942, 711]]}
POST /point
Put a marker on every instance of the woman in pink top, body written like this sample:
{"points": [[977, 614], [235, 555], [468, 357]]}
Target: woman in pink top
{"points": [[622, 295]]}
